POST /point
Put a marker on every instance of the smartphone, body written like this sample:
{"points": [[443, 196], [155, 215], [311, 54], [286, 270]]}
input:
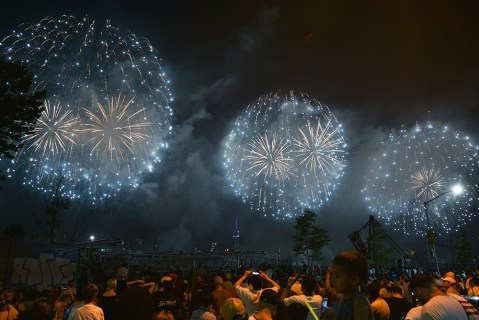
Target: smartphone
{"points": [[255, 273], [66, 314], [324, 305]]}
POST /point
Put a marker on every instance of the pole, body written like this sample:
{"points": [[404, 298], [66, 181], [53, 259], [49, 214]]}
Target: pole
{"points": [[433, 247]]}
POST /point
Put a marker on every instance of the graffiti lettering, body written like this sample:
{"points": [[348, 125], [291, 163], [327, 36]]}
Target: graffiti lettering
{"points": [[45, 272]]}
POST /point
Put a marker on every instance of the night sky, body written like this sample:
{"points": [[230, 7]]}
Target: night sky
{"points": [[377, 65]]}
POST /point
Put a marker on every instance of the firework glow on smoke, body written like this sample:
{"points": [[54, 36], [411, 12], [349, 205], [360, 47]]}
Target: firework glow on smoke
{"points": [[285, 153], [419, 164], [107, 115]]}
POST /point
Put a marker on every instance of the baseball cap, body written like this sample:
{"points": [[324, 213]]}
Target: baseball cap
{"points": [[451, 280], [269, 296]]}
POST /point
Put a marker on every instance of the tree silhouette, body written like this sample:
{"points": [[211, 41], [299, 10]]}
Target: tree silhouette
{"points": [[19, 108], [310, 238], [51, 222]]}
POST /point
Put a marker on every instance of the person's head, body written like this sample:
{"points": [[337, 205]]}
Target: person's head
{"points": [[167, 284], [475, 281], [41, 309], [349, 270], [447, 282], [206, 300], [8, 296], [372, 290], [256, 282], [423, 286], [308, 285], [111, 284], [269, 299], [218, 281], [232, 308], [90, 292], [396, 291], [384, 293], [56, 292]]}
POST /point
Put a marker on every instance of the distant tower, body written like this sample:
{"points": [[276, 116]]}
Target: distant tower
{"points": [[236, 236]]}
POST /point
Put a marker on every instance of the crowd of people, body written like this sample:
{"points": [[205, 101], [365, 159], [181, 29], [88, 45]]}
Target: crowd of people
{"points": [[350, 289]]}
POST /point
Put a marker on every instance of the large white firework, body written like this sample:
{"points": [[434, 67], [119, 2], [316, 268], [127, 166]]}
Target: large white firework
{"points": [[285, 153], [107, 116], [413, 166]]}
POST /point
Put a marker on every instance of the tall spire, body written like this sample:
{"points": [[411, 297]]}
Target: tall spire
{"points": [[236, 236]]}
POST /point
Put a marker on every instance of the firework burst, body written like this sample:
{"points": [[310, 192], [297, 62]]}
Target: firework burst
{"points": [[285, 153], [111, 117], [55, 132], [416, 165]]}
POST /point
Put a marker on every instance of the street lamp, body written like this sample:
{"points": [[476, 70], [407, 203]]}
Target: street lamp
{"points": [[456, 189]]}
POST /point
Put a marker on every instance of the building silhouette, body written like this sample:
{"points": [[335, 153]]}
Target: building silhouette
{"points": [[236, 237]]}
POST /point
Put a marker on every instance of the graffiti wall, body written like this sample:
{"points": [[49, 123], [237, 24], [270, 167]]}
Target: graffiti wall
{"points": [[39, 266]]}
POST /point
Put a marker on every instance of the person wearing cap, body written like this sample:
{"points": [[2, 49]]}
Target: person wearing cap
{"points": [[268, 300], [448, 285], [440, 305], [164, 298], [308, 286], [233, 309]]}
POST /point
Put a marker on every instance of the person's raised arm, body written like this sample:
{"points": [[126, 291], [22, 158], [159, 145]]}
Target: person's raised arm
{"points": [[135, 282], [150, 286], [240, 281], [290, 283], [265, 277]]}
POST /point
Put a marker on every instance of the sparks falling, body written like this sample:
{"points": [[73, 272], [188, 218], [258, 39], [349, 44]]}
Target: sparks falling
{"points": [[415, 165], [110, 119], [285, 153]]}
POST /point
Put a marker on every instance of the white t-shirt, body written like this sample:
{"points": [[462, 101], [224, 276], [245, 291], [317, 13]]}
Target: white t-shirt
{"points": [[86, 312], [315, 302], [443, 307], [414, 314], [249, 298]]}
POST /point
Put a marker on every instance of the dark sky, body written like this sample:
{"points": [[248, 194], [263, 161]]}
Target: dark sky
{"points": [[376, 64]]}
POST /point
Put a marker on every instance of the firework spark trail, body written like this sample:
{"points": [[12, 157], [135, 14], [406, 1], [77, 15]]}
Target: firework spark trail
{"points": [[428, 183], [116, 130], [415, 165], [275, 164], [53, 132], [107, 82], [269, 157], [319, 147]]}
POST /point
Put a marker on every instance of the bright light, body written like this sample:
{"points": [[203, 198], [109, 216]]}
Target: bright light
{"points": [[92, 237], [457, 189]]}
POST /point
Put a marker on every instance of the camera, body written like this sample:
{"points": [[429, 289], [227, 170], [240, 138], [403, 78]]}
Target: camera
{"points": [[324, 305]]}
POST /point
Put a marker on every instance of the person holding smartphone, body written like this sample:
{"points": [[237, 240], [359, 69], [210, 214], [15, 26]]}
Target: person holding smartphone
{"points": [[250, 297]]}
